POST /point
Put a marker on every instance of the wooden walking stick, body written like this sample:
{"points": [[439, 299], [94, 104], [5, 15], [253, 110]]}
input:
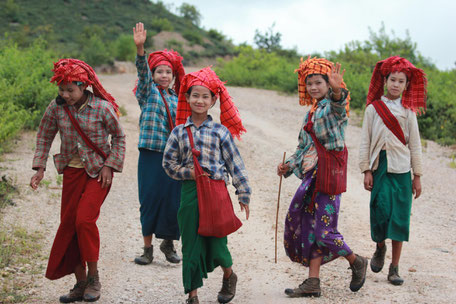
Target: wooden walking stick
{"points": [[277, 214]]}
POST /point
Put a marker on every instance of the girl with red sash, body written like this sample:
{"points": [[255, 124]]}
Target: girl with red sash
{"points": [[159, 195], [87, 161], [219, 158], [390, 148], [311, 237]]}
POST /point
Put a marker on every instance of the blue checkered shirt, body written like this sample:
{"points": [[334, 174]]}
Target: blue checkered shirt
{"points": [[329, 122], [219, 155], [153, 121]]}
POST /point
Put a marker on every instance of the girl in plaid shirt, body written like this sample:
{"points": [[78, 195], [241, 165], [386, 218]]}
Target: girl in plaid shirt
{"points": [[220, 158], [311, 236], [159, 195], [87, 175]]}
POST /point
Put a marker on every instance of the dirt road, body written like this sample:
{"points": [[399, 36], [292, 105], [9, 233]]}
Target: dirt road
{"points": [[428, 263]]}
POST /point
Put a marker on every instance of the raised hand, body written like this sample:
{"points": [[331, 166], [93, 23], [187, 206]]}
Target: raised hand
{"points": [[139, 37], [336, 77]]}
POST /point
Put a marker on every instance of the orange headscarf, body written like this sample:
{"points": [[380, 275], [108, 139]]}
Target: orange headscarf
{"points": [[414, 97], [313, 66], [69, 70], [229, 114]]}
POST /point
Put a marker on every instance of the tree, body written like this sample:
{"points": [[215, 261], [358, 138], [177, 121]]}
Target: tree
{"points": [[269, 41], [190, 13]]}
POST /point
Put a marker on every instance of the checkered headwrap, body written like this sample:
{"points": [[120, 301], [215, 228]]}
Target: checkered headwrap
{"points": [[229, 114], [69, 70], [414, 96], [312, 66]]}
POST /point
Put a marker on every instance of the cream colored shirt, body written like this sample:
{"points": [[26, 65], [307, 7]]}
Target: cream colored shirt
{"points": [[376, 136]]}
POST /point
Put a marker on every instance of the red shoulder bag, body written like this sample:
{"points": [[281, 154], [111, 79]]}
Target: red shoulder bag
{"points": [[216, 213]]}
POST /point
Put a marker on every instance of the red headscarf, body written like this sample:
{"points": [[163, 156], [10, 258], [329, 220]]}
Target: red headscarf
{"points": [[171, 59], [414, 96], [69, 70], [313, 66], [229, 114]]}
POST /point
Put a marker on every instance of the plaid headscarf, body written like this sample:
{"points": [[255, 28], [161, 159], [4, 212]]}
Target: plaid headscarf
{"points": [[414, 96], [70, 70], [171, 59], [229, 114], [313, 66]]}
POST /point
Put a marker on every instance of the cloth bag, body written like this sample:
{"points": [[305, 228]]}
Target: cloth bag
{"points": [[216, 213], [331, 166]]}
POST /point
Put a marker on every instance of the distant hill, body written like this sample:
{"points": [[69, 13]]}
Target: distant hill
{"points": [[69, 26]]}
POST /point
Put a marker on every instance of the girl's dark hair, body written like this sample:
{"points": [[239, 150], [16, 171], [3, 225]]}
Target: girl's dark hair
{"points": [[325, 77], [189, 91]]}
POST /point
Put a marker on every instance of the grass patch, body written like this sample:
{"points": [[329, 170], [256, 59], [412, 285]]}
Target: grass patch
{"points": [[7, 190], [19, 253], [453, 163]]}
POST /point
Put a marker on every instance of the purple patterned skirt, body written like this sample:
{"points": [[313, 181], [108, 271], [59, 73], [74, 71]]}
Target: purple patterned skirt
{"points": [[312, 234]]}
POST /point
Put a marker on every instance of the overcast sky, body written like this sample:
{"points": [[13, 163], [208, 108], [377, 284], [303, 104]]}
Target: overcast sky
{"points": [[325, 25]]}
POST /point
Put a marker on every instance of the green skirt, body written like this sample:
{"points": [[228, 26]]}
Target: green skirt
{"points": [[200, 254], [390, 204]]}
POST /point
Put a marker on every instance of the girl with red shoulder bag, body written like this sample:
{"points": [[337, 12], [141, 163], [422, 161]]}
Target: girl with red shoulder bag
{"points": [[203, 154]]}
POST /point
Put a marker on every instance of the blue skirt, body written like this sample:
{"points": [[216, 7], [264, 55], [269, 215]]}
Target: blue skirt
{"points": [[159, 197]]}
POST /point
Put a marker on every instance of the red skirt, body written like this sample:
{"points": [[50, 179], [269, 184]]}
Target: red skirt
{"points": [[77, 240]]}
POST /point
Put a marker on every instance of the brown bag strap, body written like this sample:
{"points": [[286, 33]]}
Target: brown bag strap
{"points": [[170, 119], [81, 133]]}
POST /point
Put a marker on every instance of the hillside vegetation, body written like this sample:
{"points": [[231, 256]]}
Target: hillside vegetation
{"points": [[99, 31]]}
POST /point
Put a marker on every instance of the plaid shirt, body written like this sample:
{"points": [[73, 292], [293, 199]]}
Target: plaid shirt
{"points": [[330, 119], [98, 120], [219, 155], [153, 122]]}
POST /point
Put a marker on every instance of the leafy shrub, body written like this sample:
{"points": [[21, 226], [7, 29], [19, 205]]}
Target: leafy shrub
{"points": [[193, 37], [124, 48], [161, 24], [259, 69], [25, 90], [94, 52]]}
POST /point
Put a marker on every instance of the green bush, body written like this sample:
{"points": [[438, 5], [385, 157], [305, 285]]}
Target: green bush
{"points": [[124, 48], [94, 52], [161, 24], [259, 69], [193, 37], [25, 90]]}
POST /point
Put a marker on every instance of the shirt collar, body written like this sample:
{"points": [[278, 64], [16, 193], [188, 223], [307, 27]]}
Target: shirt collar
{"points": [[396, 101], [207, 123]]}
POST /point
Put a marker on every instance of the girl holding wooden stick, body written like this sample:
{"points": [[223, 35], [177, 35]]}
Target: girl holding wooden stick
{"points": [[311, 235]]}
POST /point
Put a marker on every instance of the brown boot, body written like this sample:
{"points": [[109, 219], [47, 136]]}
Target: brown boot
{"points": [[75, 294], [358, 268], [147, 257], [93, 289], [378, 259], [228, 291], [393, 276], [308, 288], [192, 300], [167, 247]]}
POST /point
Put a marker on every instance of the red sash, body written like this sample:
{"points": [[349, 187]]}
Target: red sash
{"points": [[170, 119], [331, 167], [81, 133], [389, 120]]}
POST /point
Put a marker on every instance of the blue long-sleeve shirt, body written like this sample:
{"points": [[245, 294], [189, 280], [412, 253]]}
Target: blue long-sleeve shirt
{"points": [[219, 155], [153, 121]]}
